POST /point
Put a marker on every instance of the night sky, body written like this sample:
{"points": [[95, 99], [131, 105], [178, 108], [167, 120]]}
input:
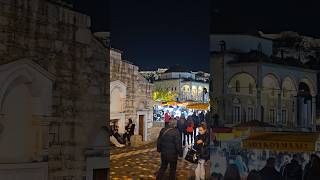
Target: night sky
{"points": [[98, 10], [270, 16], [160, 33], [154, 33]]}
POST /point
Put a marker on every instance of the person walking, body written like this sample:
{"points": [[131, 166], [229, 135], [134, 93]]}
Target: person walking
{"points": [[232, 173], [269, 172], [254, 175], [129, 131], [169, 146], [201, 117], [285, 162], [242, 167], [182, 123], [312, 169], [293, 170], [166, 119], [201, 145], [196, 122], [189, 130]]}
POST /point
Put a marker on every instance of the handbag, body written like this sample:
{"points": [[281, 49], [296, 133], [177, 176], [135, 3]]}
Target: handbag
{"points": [[192, 156]]}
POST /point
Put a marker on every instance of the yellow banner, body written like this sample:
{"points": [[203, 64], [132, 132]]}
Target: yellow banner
{"points": [[224, 136], [280, 145]]}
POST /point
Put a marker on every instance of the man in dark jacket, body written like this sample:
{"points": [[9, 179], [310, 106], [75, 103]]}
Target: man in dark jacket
{"points": [[201, 117], [182, 125], [293, 170], [196, 121], [170, 147], [269, 172], [312, 169]]}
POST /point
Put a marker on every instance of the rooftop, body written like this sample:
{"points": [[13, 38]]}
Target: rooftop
{"points": [[177, 68], [255, 56]]}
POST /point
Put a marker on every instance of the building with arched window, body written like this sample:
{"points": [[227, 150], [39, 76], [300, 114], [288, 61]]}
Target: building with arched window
{"points": [[186, 84], [252, 85]]}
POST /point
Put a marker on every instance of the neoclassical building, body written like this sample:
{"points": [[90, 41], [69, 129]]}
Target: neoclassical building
{"points": [[252, 85], [187, 85], [53, 94], [130, 96]]}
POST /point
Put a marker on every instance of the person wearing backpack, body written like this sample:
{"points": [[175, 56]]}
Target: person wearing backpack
{"points": [[189, 130], [182, 128], [169, 145]]}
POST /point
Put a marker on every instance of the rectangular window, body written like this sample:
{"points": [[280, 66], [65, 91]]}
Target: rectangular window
{"points": [[250, 114], [236, 114], [284, 116], [272, 116]]}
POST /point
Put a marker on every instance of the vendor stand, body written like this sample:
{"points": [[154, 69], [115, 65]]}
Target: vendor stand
{"points": [[177, 108]]}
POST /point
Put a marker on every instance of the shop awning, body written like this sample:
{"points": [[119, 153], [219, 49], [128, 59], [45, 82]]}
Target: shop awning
{"points": [[198, 106], [283, 141]]}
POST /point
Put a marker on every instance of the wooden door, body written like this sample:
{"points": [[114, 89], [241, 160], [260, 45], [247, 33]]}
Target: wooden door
{"points": [[141, 126]]}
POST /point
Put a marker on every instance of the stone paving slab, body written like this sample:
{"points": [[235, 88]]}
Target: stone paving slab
{"points": [[141, 164]]}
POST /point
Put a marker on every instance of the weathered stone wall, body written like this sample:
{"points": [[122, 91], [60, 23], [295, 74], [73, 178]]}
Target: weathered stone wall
{"points": [[139, 90], [59, 39]]}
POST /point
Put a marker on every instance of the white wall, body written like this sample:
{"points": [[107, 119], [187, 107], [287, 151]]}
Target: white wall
{"points": [[241, 43]]}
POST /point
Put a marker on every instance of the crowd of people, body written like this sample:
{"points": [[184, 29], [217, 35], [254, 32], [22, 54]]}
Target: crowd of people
{"points": [[182, 133], [187, 126], [292, 168]]}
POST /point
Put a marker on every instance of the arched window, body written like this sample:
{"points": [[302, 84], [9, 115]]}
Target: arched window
{"points": [[237, 86], [250, 88]]}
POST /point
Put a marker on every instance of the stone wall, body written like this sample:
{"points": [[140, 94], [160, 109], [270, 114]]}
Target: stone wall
{"points": [[138, 90], [59, 40]]}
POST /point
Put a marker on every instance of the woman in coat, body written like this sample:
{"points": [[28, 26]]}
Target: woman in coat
{"points": [[202, 142]]}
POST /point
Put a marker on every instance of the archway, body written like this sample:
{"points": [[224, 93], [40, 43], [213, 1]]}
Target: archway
{"points": [[118, 93], [18, 132], [242, 83], [304, 105]]}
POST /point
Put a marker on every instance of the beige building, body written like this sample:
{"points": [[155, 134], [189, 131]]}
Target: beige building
{"points": [[184, 83], [250, 85], [53, 94], [131, 96]]}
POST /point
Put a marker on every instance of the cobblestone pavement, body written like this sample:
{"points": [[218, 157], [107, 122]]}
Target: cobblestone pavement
{"points": [[141, 163]]}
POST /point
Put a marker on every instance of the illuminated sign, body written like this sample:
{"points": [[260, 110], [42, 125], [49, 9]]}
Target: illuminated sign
{"points": [[280, 146]]}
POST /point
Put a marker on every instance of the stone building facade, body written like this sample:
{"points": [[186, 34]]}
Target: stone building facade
{"points": [[255, 86], [131, 96], [53, 93], [186, 84]]}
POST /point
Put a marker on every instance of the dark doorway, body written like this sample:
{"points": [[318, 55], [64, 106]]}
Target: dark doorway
{"points": [[141, 126], [100, 174], [304, 103]]}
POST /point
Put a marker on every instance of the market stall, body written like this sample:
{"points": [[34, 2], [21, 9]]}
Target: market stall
{"points": [[177, 108], [283, 141]]}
